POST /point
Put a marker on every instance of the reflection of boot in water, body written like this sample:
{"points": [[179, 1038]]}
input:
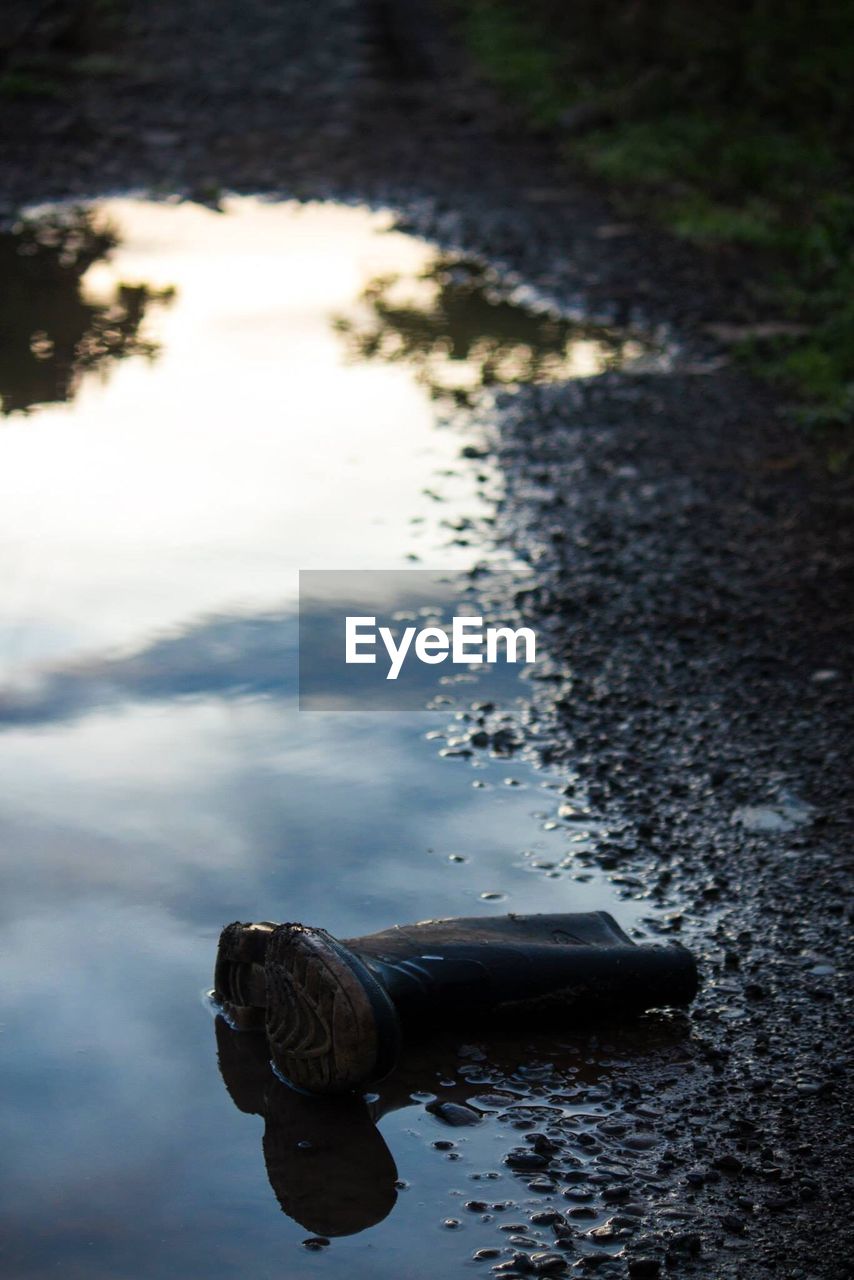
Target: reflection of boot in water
{"points": [[326, 1160], [334, 1009]]}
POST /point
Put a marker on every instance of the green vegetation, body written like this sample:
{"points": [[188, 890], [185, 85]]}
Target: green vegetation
{"points": [[731, 124], [27, 83], [45, 44]]}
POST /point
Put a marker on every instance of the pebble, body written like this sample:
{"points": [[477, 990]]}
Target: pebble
{"points": [[454, 1113], [641, 1142], [521, 1158], [644, 1268], [615, 1195], [519, 1263], [545, 1217], [602, 1235], [546, 1263]]}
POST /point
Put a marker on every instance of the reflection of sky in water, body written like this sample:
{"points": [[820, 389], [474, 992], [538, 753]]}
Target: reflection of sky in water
{"points": [[158, 780]]}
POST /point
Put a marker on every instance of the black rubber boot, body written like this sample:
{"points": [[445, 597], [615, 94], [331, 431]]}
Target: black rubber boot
{"points": [[334, 1010]]}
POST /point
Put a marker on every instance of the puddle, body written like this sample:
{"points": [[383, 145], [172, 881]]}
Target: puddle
{"points": [[185, 425]]}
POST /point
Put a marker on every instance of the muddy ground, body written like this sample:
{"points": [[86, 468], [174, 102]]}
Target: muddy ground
{"points": [[688, 554]]}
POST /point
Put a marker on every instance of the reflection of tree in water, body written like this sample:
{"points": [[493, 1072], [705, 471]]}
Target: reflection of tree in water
{"points": [[50, 333], [460, 334]]}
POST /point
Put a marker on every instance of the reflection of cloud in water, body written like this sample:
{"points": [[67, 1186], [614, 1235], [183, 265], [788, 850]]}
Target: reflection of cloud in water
{"points": [[218, 811], [235, 657], [119, 1033], [227, 657]]}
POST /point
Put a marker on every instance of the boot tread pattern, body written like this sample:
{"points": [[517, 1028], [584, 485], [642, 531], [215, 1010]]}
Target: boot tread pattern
{"points": [[320, 1024]]}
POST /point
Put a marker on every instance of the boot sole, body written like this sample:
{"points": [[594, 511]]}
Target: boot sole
{"points": [[239, 981], [331, 1027]]}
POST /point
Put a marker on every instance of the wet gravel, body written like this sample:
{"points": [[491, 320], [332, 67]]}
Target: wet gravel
{"points": [[690, 569]]}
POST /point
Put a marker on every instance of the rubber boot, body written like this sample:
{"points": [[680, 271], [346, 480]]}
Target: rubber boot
{"points": [[335, 1010]]}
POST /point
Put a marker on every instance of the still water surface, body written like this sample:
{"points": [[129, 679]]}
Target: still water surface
{"points": [[195, 406]]}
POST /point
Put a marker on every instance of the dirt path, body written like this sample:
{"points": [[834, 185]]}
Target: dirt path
{"points": [[689, 563]]}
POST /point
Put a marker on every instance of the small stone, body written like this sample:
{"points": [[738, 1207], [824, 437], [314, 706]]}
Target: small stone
{"points": [[640, 1142], [546, 1263], [521, 1158], [315, 1242], [454, 1113], [734, 1224], [543, 1144], [644, 1268], [689, 1242], [603, 1235], [518, 1264], [615, 1195]]}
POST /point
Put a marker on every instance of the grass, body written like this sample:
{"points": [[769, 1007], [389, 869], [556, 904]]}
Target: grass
{"points": [[727, 123], [23, 83], [66, 40]]}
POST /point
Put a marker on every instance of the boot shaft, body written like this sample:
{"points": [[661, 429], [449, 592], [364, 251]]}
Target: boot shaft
{"points": [[506, 966]]}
